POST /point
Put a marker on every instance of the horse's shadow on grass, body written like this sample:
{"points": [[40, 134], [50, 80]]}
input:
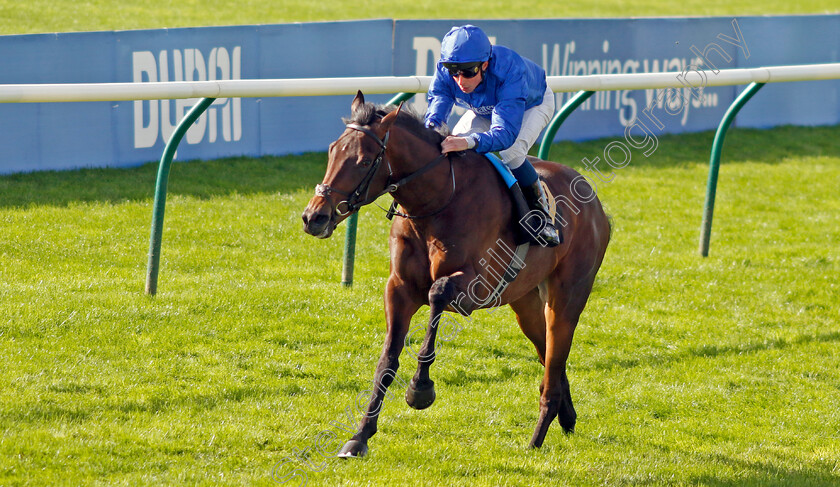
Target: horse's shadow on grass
{"points": [[715, 350], [764, 473], [198, 179]]}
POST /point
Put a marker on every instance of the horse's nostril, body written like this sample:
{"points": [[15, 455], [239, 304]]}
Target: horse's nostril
{"points": [[315, 223], [320, 220]]}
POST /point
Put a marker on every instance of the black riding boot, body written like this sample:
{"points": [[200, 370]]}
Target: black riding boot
{"points": [[548, 236]]}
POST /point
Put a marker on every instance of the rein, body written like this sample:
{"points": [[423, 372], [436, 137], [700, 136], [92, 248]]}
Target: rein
{"points": [[355, 200]]}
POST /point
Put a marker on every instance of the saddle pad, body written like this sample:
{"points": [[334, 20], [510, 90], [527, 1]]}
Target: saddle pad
{"points": [[503, 170]]}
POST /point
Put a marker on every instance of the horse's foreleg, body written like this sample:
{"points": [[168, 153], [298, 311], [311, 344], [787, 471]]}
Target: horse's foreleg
{"points": [[421, 390], [399, 308]]}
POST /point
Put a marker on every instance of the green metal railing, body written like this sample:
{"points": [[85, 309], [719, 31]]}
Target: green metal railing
{"points": [[573, 103], [159, 206], [714, 164], [160, 191], [558, 120], [714, 160]]}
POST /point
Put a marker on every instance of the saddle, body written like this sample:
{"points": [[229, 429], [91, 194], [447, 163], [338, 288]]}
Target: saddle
{"points": [[521, 209]]}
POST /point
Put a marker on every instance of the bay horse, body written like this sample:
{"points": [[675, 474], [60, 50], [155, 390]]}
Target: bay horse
{"points": [[456, 209]]}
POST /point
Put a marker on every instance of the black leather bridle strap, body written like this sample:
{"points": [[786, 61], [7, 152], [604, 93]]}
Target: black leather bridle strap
{"points": [[423, 170], [390, 188], [354, 199], [382, 143], [392, 211]]}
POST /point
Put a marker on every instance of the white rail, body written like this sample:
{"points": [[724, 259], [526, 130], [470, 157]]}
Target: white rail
{"points": [[249, 88]]}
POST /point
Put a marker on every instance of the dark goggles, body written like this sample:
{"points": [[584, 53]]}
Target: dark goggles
{"points": [[466, 70]]}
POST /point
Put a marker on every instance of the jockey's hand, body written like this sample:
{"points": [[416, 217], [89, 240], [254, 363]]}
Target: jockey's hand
{"points": [[454, 144]]}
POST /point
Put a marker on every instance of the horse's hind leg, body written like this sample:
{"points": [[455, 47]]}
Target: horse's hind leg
{"points": [[421, 391], [555, 398], [530, 314], [562, 312]]}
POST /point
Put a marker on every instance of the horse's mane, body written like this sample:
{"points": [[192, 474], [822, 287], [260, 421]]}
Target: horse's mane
{"points": [[408, 119]]}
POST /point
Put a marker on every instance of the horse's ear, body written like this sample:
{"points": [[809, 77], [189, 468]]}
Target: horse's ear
{"points": [[358, 102], [388, 120]]}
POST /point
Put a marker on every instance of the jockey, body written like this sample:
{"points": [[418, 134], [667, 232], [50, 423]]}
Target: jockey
{"points": [[508, 102]]}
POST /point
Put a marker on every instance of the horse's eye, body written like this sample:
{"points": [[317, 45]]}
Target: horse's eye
{"points": [[365, 162]]}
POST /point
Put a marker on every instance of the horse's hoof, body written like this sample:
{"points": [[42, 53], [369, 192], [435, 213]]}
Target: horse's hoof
{"points": [[567, 423], [353, 449], [420, 397], [567, 419]]}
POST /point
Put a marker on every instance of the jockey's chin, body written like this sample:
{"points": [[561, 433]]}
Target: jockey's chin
{"points": [[468, 85]]}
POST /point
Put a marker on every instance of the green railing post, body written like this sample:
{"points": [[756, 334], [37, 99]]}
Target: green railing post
{"points": [[400, 97], [558, 120], [353, 220], [160, 191], [349, 250], [714, 164]]}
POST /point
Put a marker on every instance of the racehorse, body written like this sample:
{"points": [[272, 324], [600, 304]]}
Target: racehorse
{"points": [[456, 212]]}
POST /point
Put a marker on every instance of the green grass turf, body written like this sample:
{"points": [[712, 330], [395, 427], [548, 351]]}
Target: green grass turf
{"points": [[685, 371], [17, 17]]}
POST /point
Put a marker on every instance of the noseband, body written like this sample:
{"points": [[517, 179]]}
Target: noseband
{"points": [[355, 200]]}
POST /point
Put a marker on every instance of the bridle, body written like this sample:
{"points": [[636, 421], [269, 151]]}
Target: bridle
{"points": [[354, 199]]}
